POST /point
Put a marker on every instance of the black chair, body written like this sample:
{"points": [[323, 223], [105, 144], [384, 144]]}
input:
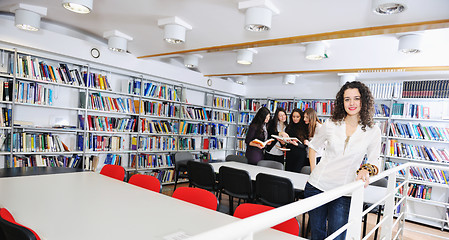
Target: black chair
{"points": [[273, 190], [271, 164], [181, 159], [236, 158], [13, 231], [202, 175], [383, 182], [235, 183]]}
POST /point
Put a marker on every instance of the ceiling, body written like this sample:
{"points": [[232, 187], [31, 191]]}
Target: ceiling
{"points": [[356, 38]]}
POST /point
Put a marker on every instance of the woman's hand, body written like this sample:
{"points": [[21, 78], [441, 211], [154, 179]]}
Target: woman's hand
{"points": [[306, 142], [364, 175]]}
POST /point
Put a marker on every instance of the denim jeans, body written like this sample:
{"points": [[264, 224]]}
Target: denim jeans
{"points": [[335, 213]]}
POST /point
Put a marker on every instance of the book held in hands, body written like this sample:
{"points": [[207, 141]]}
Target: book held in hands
{"points": [[263, 144]]}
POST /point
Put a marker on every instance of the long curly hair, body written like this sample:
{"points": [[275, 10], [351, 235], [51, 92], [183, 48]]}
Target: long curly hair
{"points": [[366, 109]]}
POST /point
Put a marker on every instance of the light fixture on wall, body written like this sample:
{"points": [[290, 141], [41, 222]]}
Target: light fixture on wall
{"points": [[242, 80], [289, 79], [191, 60], [410, 43], [347, 77], [174, 29], [258, 14], [117, 41], [387, 7], [78, 6], [28, 17], [315, 51], [245, 56]]}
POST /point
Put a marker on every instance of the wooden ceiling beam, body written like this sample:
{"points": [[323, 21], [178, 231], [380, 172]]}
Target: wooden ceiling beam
{"points": [[359, 32]]}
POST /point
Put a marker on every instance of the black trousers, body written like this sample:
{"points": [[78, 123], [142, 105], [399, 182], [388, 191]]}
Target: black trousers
{"points": [[277, 158]]}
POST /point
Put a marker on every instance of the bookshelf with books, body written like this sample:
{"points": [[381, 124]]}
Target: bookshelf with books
{"points": [[416, 129]]}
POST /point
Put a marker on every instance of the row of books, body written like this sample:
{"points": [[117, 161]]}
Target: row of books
{"points": [[5, 89], [73, 161], [381, 110], [164, 175], [111, 104], [246, 118], [286, 105], [34, 93], [385, 90], [196, 113], [241, 145], [96, 142], [409, 110], [241, 131], [186, 144], [96, 80], [250, 105], [213, 143], [423, 174], [35, 142], [155, 143], [417, 191], [153, 90], [151, 160], [417, 131], [223, 116], [108, 124], [203, 128], [163, 109], [113, 159], [321, 107], [398, 149], [426, 89], [157, 126], [5, 117], [222, 102]]}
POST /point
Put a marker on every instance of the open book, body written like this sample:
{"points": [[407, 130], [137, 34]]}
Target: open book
{"points": [[286, 139], [263, 144]]}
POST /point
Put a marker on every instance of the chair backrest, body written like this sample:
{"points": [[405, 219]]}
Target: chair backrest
{"points": [[235, 182], [273, 190], [13, 230], [202, 175], [271, 164], [249, 209], [113, 171], [146, 181], [236, 158], [306, 170], [181, 158], [196, 196]]}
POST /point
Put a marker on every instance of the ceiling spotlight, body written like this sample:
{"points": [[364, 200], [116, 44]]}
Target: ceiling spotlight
{"points": [[245, 56], [191, 60], [242, 80], [174, 29], [387, 7], [315, 51], [289, 79], [117, 41], [410, 43], [258, 14], [28, 17], [347, 77], [78, 6]]}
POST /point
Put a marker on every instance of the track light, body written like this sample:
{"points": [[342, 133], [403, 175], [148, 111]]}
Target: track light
{"points": [[28, 17], [410, 43], [117, 41], [315, 51], [387, 7], [347, 77], [245, 56], [258, 14], [174, 29], [191, 60], [242, 80], [289, 79], [78, 6]]}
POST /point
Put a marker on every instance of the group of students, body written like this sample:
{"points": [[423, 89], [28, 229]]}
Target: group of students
{"points": [[349, 144]]}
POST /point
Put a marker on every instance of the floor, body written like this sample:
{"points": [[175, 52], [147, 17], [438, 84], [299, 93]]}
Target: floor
{"points": [[412, 231]]}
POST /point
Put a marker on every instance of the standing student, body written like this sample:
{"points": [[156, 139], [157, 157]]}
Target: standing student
{"points": [[275, 126], [313, 125], [257, 130], [296, 157], [350, 135]]}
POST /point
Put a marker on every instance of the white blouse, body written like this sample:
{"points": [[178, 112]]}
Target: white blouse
{"points": [[342, 158]]}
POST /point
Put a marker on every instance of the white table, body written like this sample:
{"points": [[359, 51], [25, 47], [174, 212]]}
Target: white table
{"points": [[88, 205]]}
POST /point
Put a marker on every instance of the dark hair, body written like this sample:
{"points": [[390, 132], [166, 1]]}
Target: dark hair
{"points": [[313, 120], [273, 124], [366, 108], [259, 119], [299, 129]]}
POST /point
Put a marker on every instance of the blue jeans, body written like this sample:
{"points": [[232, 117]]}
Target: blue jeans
{"points": [[335, 213]]}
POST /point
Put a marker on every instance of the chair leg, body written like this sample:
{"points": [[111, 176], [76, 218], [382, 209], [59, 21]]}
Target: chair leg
{"points": [[176, 179], [231, 205], [379, 212]]}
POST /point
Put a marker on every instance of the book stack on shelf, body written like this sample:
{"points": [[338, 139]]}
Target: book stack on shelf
{"points": [[73, 161], [426, 89], [157, 143], [108, 124]]}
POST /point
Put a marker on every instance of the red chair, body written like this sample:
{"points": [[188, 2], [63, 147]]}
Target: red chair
{"points": [[14, 230], [113, 171], [197, 196], [146, 181], [249, 209]]}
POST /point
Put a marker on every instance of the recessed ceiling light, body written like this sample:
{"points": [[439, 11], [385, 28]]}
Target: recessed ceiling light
{"points": [[388, 7], [78, 6]]}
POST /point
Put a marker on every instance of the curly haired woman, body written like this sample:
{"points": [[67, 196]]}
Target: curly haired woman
{"points": [[350, 135]]}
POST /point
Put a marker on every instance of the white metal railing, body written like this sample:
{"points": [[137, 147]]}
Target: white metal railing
{"points": [[244, 229]]}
